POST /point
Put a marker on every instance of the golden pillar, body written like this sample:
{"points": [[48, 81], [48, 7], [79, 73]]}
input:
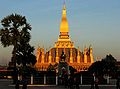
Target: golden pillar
{"points": [[91, 55], [78, 55], [71, 56], [50, 57], [43, 55], [57, 57], [85, 55]]}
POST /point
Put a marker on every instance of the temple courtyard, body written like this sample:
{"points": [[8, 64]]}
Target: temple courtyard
{"points": [[7, 84]]}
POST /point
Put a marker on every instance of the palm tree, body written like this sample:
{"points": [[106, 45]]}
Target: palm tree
{"points": [[14, 32], [26, 59], [25, 55]]}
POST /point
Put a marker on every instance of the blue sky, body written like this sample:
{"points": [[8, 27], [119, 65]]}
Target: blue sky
{"points": [[91, 22]]}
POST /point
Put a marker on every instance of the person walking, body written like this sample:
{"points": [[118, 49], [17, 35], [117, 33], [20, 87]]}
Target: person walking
{"points": [[96, 83], [117, 84], [66, 80], [71, 82], [17, 84], [77, 82], [92, 83]]}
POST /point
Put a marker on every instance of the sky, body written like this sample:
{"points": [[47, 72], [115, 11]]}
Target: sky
{"points": [[91, 22]]}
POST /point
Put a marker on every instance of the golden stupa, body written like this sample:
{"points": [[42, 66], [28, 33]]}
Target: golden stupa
{"points": [[74, 57]]}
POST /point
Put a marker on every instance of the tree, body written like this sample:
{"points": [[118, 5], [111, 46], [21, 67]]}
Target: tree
{"points": [[14, 32], [105, 66], [96, 68], [109, 65], [24, 55]]}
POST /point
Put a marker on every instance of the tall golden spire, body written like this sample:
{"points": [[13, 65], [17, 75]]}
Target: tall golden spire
{"points": [[64, 28], [64, 39]]}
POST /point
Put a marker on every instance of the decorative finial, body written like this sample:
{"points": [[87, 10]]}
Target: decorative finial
{"points": [[64, 6], [64, 2]]}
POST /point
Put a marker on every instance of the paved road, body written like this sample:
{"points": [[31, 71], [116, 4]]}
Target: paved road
{"points": [[81, 87], [6, 84]]}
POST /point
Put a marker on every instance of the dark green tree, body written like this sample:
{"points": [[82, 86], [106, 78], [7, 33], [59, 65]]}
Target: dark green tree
{"points": [[15, 31], [109, 65], [25, 55], [96, 68], [105, 66]]}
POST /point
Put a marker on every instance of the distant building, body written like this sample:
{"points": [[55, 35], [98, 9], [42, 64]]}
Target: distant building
{"points": [[3, 67], [74, 57]]}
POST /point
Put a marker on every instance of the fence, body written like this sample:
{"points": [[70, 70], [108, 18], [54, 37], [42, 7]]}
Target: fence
{"points": [[54, 80]]}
